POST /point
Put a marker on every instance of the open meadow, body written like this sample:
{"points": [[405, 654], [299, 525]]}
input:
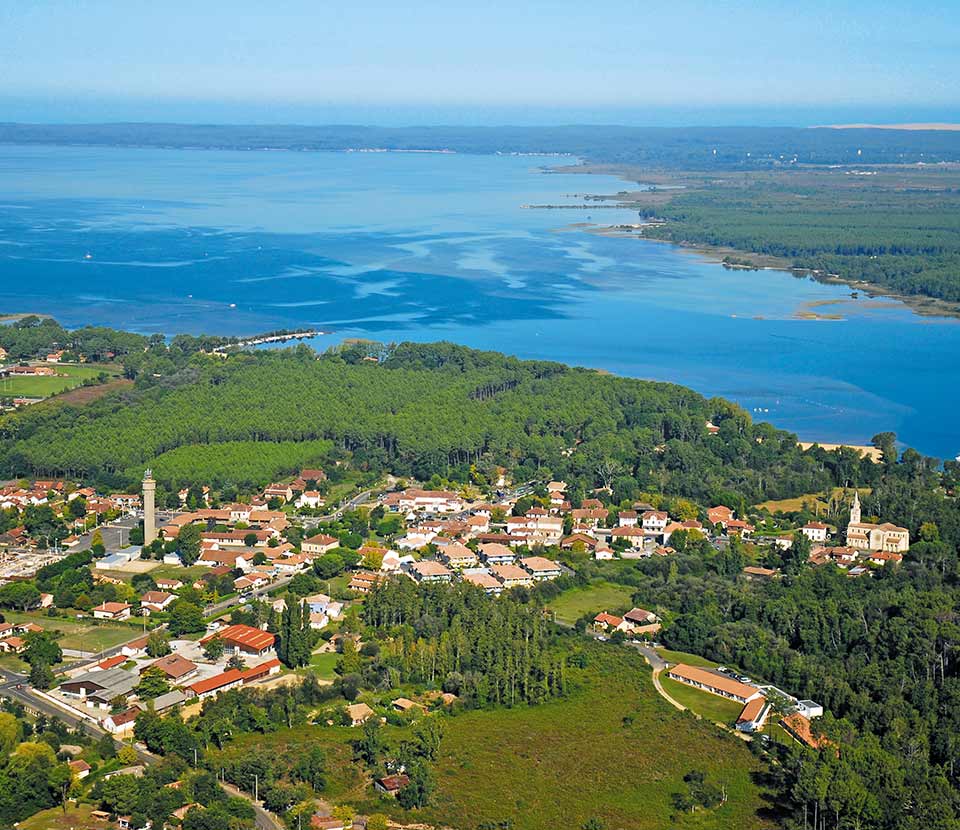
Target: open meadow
{"points": [[80, 634], [611, 750], [599, 596], [67, 377]]}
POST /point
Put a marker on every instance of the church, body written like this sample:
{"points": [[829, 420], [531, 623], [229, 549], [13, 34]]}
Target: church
{"points": [[866, 536]]}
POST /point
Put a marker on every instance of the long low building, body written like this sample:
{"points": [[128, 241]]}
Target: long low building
{"points": [[244, 639], [714, 683]]}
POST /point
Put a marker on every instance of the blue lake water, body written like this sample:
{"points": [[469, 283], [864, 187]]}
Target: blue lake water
{"points": [[429, 246]]}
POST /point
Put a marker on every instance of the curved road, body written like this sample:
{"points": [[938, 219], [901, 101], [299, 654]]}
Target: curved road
{"points": [[658, 664]]}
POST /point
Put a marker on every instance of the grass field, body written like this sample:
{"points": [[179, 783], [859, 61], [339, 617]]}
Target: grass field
{"points": [[600, 596], [613, 750], [186, 575], [77, 817], [82, 635], [323, 665], [813, 501], [711, 707], [683, 657], [67, 377]]}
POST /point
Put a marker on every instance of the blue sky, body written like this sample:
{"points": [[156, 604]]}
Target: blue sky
{"points": [[433, 61]]}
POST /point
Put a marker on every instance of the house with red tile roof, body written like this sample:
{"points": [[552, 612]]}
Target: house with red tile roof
{"points": [[112, 611], [753, 715], [606, 621]]}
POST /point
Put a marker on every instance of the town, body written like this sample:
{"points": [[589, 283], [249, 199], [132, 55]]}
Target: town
{"points": [[213, 558]]}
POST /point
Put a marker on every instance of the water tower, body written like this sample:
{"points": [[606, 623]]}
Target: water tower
{"points": [[149, 507]]}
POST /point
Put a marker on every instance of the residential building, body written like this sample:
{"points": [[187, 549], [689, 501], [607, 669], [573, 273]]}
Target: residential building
{"points": [[428, 571], [121, 723], [720, 515], [176, 668], [485, 580], [815, 531], [607, 622], [359, 713], [494, 553], [425, 501], [511, 576], [713, 682], [458, 556], [541, 568], [112, 611], [156, 601], [363, 582], [319, 544], [654, 522]]}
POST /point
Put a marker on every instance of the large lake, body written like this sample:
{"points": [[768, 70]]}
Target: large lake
{"points": [[432, 246]]}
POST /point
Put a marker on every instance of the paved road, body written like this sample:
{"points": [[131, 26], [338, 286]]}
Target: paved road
{"points": [[37, 703], [351, 504], [265, 819], [218, 607], [658, 664]]}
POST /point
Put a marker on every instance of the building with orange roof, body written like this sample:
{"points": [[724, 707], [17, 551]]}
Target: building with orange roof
{"points": [[713, 682], [244, 639]]}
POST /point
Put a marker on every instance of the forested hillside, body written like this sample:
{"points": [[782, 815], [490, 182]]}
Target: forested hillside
{"points": [[423, 410]]}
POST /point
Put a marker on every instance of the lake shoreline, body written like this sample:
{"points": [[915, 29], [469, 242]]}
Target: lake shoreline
{"points": [[922, 305]]}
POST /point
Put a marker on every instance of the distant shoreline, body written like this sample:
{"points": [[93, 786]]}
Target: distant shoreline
{"points": [[922, 305], [932, 126]]}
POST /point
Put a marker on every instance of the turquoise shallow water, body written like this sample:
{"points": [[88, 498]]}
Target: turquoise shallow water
{"points": [[430, 246]]}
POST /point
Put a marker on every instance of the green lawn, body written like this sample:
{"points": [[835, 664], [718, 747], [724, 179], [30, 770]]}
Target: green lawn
{"points": [[67, 377], [688, 659], [77, 817], [186, 575], [711, 707], [600, 596], [323, 665], [83, 635]]}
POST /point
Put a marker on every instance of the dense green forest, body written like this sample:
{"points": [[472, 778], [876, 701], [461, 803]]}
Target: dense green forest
{"points": [[488, 652], [424, 410], [712, 148], [243, 464], [898, 230]]}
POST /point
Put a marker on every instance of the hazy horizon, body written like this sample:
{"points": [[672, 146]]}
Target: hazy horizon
{"points": [[105, 111], [693, 63]]}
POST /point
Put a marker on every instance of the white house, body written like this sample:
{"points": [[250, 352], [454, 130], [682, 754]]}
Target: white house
{"points": [[654, 521], [815, 531]]}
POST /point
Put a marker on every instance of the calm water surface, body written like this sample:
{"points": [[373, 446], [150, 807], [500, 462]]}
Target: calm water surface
{"points": [[428, 246]]}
